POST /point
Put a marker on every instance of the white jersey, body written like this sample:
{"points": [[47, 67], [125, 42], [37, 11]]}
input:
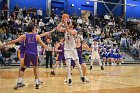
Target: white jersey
{"points": [[95, 48], [69, 43]]}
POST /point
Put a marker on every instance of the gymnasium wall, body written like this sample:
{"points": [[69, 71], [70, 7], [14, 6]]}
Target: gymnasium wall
{"points": [[133, 11], [29, 3], [78, 6], [102, 10]]}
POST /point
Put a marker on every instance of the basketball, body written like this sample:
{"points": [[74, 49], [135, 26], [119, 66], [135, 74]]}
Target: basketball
{"points": [[65, 16]]}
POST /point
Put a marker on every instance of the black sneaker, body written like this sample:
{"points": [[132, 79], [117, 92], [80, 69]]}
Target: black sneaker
{"points": [[102, 68], [90, 68], [37, 86], [82, 79], [19, 85], [52, 73], [70, 82]]}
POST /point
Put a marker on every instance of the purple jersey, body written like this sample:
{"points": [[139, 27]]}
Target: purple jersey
{"points": [[79, 51], [31, 44], [22, 46], [61, 48]]}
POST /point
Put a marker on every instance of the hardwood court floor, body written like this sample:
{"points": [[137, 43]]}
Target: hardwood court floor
{"points": [[117, 79]]}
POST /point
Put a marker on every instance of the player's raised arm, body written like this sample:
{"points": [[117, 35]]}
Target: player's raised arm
{"points": [[85, 46], [22, 37], [60, 28], [47, 33]]}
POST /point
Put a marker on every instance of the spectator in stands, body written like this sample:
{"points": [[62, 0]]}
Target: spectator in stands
{"points": [[51, 21], [20, 15], [40, 13], [79, 21], [123, 42], [90, 18], [5, 9], [6, 55], [16, 9], [41, 25], [24, 12], [28, 19], [34, 16]]}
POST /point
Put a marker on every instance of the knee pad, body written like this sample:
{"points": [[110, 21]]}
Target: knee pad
{"points": [[22, 69]]}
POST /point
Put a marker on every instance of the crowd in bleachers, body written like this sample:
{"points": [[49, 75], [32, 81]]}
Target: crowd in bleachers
{"points": [[108, 30]]}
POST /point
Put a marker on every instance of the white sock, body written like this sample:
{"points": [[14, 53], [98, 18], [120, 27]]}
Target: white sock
{"points": [[37, 81], [100, 63], [91, 62], [79, 67], [20, 80]]}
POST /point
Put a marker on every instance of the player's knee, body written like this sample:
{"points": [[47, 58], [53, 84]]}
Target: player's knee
{"points": [[22, 69]]}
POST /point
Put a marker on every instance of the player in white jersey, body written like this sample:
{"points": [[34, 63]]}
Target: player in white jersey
{"points": [[95, 54], [70, 51]]}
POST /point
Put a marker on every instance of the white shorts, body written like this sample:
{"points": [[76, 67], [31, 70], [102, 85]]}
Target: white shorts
{"points": [[71, 54], [95, 56]]}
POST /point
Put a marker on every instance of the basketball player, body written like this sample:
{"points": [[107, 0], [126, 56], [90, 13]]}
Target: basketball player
{"points": [[31, 52], [59, 48], [70, 47], [21, 53], [95, 54], [80, 46]]}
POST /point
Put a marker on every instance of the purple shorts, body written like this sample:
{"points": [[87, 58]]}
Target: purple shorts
{"points": [[21, 54], [30, 59], [61, 58], [80, 62]]}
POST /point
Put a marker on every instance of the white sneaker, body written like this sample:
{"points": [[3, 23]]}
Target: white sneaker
{"points": [[115, 64], [104, 64], [120, 64], [107, 64], [112, 64], [86, 79], [65, 80]]}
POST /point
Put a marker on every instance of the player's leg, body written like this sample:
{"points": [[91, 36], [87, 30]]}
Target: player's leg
{"points": [[68, 61], [84, 68], [22, 68], [100, 64]]}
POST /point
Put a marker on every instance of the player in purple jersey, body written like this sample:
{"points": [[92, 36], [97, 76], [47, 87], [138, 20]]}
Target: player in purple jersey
{"points": [[31, 52], [60, 57], [21, 55], [80, 46]]}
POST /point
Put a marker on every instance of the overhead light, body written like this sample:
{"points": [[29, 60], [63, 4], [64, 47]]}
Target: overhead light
{"points": [[72, 5], [87, 2]]}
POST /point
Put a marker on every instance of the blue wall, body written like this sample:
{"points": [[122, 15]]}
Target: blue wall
{"points": [[133, 11], [78, 6], [102, 10], [29, 3], [2, 3]]}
